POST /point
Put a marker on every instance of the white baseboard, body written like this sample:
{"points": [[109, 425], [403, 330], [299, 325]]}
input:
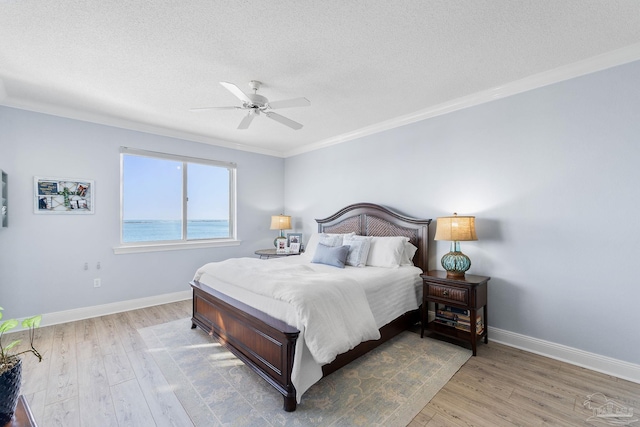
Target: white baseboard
{"points": [[606, 365], [115, 307], [596, 362]]}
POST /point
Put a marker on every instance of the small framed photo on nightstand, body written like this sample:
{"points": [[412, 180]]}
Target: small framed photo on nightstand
{"points": [[281, 245], [294, 248], [294, 238]]}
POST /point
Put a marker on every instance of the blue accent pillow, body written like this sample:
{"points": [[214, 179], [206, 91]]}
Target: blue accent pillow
{"points": [[331, 255]]}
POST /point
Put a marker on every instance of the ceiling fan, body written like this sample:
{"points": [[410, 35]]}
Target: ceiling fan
{"points": [[256, 104]]}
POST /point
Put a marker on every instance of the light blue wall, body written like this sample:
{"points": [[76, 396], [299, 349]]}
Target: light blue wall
{"points": [[552, 177], [42, 257]]}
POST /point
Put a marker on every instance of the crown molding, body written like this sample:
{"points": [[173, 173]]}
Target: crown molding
{"points": [[591, 65], [122, 123], [594, 64]]}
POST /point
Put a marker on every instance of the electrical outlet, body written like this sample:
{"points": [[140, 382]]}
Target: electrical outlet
{"points": [[97, 283], [86, 265]]}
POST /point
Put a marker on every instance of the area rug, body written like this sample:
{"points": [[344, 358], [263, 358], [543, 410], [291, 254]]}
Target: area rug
{"points": [[388, 386]]}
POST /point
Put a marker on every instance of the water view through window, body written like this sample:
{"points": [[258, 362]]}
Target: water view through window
{"points": [[153, 200]]}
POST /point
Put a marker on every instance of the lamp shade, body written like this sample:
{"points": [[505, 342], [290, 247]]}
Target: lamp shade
{"points": [[456, 228], [280, 222]]}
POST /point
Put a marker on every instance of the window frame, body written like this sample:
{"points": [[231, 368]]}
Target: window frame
{"points": [[166, 245]]}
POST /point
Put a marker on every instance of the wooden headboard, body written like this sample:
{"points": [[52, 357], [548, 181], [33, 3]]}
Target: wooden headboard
{"points": [[368, 219]]}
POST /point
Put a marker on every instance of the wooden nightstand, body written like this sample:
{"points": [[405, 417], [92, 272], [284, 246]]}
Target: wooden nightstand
{"points": [[271, 253], [464, 297]]}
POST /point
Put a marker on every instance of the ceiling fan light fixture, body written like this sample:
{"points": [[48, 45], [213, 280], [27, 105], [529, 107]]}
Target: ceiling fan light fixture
{"points": [[257, 100], [255, 103]]}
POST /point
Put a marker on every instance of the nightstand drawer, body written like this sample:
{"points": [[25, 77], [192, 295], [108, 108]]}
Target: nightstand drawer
{"points": [[449, 293]]}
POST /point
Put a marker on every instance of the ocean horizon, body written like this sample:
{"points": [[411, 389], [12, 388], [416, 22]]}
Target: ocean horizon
{"points": [[149, 230]]}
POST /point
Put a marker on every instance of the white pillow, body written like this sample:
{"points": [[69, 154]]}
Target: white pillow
{"points": [[358, 250], [408, 254], [324, 238], [331, 239], [386, 251]]}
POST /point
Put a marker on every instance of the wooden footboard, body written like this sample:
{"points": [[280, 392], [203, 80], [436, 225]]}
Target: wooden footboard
{"points": [[263, 343], [266, 344]]}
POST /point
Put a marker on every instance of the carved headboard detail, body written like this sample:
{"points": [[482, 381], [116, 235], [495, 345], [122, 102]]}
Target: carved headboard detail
{"points": [[368, 219]]}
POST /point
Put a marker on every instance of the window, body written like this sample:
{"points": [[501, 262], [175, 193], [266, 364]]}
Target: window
{"points": [[174, 199]]}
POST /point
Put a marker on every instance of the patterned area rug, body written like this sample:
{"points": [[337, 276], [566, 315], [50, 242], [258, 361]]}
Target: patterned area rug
{"points": [[388, 386]]}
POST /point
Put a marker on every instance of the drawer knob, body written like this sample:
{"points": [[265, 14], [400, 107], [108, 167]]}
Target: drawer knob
{"points": [[445, 293]]}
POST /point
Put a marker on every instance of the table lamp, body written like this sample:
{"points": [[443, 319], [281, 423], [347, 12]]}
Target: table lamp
{"points": [[280, 222], [456, 229]]}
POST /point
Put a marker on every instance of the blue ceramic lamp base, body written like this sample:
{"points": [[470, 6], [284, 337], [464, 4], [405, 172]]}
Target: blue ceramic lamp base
{"points": [[455, 262]]}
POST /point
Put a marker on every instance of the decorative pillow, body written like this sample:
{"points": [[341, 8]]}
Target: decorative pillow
{"points": [[408, 254], [358, 250], [324, 238], [386, 251], [331, 255], [331, 239]]}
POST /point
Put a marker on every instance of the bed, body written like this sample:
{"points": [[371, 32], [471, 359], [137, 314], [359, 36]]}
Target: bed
{"points": [[271, 346]]}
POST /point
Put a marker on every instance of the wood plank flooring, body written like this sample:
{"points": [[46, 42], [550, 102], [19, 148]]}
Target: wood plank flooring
{"points": [[95, 373], [504, 386]]}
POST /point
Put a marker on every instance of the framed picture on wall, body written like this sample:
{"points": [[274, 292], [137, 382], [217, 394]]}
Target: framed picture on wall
{"points": [[63, 196]]}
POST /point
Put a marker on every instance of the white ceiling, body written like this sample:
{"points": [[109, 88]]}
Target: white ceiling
{"points": [[364, 65]]}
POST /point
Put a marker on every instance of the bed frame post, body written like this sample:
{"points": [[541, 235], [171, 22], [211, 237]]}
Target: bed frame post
{"points": [[290, 403]]}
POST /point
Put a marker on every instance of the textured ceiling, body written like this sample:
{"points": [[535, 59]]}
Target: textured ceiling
{"points": [[363, 64]]}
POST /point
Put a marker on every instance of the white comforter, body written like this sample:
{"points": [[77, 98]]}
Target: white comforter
{"points": [[332, 309], [389, 293]]}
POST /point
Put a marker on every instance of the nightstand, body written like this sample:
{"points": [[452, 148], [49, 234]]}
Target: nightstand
{"points": [[458, 302], [271, 253]]}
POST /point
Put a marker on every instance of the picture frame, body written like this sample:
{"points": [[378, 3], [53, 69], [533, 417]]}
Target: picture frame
{"points": [[294, 248], [281, 246], [294, 238], [63, 196]]}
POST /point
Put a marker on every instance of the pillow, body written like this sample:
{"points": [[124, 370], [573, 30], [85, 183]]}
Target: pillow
{"points": [[310, 247], [358, 250], [408, 254], [386, 251], [331, 255], [331, 239], [324, 238]]}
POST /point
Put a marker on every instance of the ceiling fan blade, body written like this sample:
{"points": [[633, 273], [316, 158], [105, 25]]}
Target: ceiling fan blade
{"points": [[285, 121], [244, 124], [236, 91], [288, 103], [215, 108]]}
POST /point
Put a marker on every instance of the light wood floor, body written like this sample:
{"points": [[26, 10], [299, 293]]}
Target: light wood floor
{"points": [[95, 372], [504, 386]]}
